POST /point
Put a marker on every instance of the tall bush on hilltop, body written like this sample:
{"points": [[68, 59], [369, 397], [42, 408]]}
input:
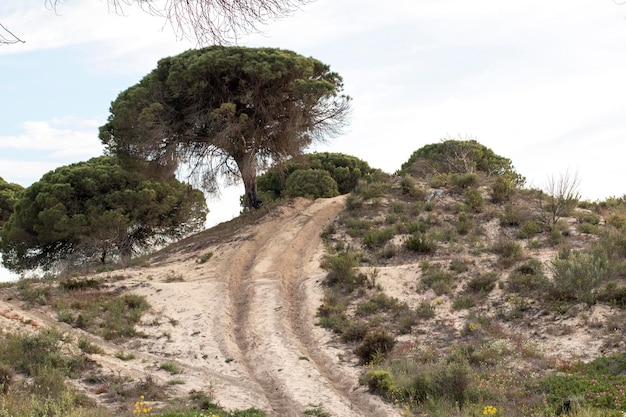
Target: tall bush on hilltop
{"points": [[454, 156]]}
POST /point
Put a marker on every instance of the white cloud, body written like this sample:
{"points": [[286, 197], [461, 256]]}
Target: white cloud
{"points": [[45, 145]]}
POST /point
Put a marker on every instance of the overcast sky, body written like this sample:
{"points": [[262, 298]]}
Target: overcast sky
{"points": [[540, 82]]}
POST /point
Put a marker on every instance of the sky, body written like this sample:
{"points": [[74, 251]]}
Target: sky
{"points": [[541, 83]]}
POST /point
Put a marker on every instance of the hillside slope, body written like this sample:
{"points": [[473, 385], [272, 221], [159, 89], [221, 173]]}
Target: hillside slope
{"points": [[240, 326]]}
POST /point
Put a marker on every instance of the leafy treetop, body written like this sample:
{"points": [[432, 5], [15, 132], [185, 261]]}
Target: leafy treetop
{"points": [[225, 111], [9, 193], [95, 210], [460, 156]]}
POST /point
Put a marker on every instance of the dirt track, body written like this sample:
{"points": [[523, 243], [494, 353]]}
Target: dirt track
{"points": [[242, 325]]}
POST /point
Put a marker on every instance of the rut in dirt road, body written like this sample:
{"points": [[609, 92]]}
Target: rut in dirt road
{"points": [[272, 328]]}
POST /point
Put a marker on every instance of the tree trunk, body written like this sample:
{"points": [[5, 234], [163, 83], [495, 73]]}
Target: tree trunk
{"points": [[247, 168]]}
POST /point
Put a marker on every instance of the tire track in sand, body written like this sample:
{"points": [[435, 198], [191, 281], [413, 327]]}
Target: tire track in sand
{"points": [[273, 330]]}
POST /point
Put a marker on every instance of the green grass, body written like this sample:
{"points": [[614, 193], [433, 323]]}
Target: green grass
{"points": [[171, 367], [205, 257]]}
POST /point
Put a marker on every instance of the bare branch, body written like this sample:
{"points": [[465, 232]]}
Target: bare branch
{"points": [[7, 37], [208, 21], [562, 196]]}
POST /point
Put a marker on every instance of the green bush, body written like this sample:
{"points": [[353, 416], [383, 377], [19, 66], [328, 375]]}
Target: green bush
{"points": [[420, 243], [171, 367], [49, 382], [452, 382], [310, 183], [514, 216], [508, 250], [588, 229], [425, 310], [461, 157], [463, 181], [410, 188], [375, 344], [613, 294], [378, 237], [528, 278], [356, 227], [354, 331], [398, 207], [30, 353], [368, 190], [380, 382], [529, 229], [483, 284], [342, 271], [464, 224], [474, 201], [417, 226], [79, 284], [345, 170], [590, 218], [6, 377], [458, 266], [577, 276], [463, 302], [502, 189], [436, 277]]}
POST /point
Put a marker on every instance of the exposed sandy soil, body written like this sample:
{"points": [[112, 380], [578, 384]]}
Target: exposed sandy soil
{"points": [[241, 325]]}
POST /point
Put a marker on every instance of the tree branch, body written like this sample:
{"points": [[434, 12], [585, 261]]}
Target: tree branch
{"points": [[7, 37]]}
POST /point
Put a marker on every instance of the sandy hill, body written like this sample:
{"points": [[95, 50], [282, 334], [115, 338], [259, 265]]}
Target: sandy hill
{"points": [[233, 312]]}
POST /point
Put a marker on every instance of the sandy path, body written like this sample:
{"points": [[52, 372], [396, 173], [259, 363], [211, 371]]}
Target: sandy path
{"points": [[242, 325]]}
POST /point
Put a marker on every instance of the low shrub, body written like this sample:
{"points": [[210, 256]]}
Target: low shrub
{"points": [[502, 190], [596, 384], [613, 294], [409, 187], [342, 271], [437, 279], [528, 278], [483, 284], [464, 302], [356, 227], [368, 190], [354, 331], [514, 216], [378, 237], [464, 224], [529, 229], [577, 276], [509, 251], [6, 377], [452, 382], [420, 243], [79, 284], [425, 310], [463, 181], [474, 201], [310, 183], [380, 382], [375, 344], [171, 367]]}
